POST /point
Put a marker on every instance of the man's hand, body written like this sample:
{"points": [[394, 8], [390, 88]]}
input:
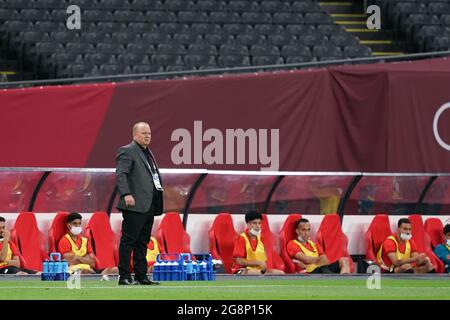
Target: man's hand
{"points": [[6, 236], [129, 201]]}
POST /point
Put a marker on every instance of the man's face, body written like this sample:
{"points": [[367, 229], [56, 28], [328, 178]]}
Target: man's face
{"points": [[304, 230], [405, 228], [143, 135], [255, 224], [2, 228], [447, 236], [74, 223]]}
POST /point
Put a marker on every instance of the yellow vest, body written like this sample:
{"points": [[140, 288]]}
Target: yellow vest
{"points": [[81, 252], [400, 255], [259, 254], [151, 254], [309, 253], [8, 255]]}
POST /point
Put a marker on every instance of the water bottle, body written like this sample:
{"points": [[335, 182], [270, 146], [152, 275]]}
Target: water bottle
{"points": [[176, 271], [157, 271], [163, 271], [189, 270], [203, 271], [45, 267]]}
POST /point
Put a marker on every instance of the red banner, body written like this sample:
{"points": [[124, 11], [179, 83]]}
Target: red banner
{"points": [[373, 118]]}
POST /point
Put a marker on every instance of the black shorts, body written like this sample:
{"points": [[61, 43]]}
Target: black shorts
{"points": [[14, 270], [329, 268]]}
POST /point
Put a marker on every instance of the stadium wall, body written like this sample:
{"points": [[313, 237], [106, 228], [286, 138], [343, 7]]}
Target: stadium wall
{"points": [[392, 117]]}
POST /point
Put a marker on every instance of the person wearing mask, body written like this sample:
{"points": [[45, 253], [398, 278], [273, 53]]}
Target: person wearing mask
{"points": [[77, 250], [309, 256], [398, 253], [249, 253]]}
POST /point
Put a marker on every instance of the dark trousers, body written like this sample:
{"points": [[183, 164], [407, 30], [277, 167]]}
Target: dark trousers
{"points": [[136, 232]]}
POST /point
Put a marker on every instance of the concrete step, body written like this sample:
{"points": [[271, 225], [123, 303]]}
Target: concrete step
{"points": [[384, 45], [337, 6], [368, 34], [349, 17]]}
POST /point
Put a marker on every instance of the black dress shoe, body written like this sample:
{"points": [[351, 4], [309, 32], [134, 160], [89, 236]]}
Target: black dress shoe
{"points": [[146, 282], [126, 282]]}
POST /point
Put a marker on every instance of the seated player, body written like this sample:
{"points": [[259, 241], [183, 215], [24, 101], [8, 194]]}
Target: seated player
{"points": [[398, 253], [309, 257], [9, 255], [443, 249], [249, 253], [77, 250], [152, 253]]}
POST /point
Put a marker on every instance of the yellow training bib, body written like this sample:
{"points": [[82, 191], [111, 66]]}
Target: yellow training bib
{"points": [[259, 254]]}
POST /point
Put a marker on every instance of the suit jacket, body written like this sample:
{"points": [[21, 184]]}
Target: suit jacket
{"points": [[133, 176]]}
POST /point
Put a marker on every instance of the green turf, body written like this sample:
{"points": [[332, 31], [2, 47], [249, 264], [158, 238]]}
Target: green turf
{"points": [[254, 289]]}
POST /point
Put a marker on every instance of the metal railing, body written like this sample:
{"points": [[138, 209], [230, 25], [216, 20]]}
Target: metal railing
{"points": [[219, 71]]}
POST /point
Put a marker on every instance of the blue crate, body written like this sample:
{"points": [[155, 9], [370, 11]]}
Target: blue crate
{"points": [[181, 267], [55, 269]]}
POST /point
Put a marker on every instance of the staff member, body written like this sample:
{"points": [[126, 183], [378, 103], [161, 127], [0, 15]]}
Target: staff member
{"points": [[141, 199]]}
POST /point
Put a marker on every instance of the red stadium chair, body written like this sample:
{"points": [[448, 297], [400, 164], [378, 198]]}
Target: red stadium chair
{"points": [[377, 232], [221, 237], [172, 236], [57, 230], [29, 240], [434, 229], [287, 233], [423, 241], [274, 260], [103, 240], [333, 241]]}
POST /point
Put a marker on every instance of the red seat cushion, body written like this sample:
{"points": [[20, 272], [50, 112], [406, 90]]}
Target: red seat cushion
{"points": [[103, 240], [287, 233], [435, 230], [171, 234], [274, 260], [30, 241], [57, 230], [377, 232], [221, 239], [333, 241]]}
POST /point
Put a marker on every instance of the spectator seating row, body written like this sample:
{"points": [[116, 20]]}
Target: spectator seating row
{"points": [[172, 238]]}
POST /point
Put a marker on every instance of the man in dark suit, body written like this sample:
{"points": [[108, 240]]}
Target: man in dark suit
{"points": [[141, 199]]}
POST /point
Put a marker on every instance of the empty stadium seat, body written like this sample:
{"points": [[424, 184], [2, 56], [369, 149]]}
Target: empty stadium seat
{"points": [[423, 241], [221, 237], [103, 240], [57, 230], [434, 228], [287, 233], [379, 229], [171, 234], [333, 241], [274, 260], [29, 241]]}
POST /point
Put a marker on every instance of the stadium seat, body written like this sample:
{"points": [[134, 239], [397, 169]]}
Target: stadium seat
{"points": [[379, 229], [333, 241], [221, 237], [171, 234], [104, 241], [57, 230], [147, 5], [274, 260], [434, 229], [211, 5], [423, 241], [29, 241], [287, 233]]}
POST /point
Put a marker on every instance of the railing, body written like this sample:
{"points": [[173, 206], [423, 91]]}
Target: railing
{"points": [[218, 71], [186, 186]]}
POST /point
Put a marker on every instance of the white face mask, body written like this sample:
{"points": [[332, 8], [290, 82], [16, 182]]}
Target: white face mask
{"points": [[76, 230], [405, 236], [254, 232], [448, 242], [300, 238]]}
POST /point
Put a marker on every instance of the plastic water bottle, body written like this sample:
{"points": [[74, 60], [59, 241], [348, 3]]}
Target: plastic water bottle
{"points": [[203, 271], [163, 272], [156, 271], [176, 271], [189, 270]]}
